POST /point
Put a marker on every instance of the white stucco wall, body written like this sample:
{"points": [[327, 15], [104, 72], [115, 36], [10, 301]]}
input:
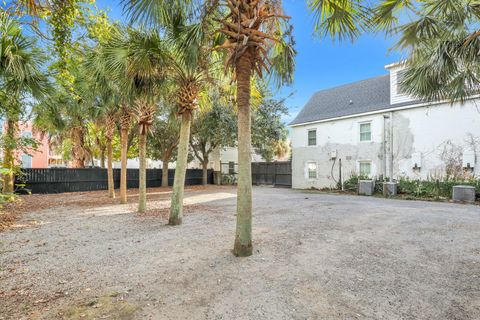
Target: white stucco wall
{"points": [[419, 133]]}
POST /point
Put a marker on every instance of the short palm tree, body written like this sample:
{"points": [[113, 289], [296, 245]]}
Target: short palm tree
{"points": [[21, 77]]}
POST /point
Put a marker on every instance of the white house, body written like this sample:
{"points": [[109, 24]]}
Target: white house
{"points": [[374, 129]]}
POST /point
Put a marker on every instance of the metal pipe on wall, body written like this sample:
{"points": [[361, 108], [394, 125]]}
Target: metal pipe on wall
{"points": [[391, 146]]}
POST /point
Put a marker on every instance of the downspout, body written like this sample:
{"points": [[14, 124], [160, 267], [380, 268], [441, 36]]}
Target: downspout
{"points": [[391, 146], [384, 144]]}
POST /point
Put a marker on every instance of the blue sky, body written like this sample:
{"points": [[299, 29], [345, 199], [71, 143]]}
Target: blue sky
{"points": [[320, 63]]}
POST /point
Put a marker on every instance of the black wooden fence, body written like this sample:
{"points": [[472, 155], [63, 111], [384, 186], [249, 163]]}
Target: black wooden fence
{"points": [[58, 180], [278, 174]]}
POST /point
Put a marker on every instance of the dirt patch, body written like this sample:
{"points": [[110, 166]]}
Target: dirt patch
{"points": [[38, 202], [316, 256], [107, 307]]}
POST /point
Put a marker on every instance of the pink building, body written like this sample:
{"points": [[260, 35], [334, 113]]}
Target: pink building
{"points": [[43, 156]]}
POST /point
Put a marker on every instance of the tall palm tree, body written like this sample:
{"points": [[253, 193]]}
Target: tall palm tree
{"points": [[164, 140], [135, 60], [21, 77], [191, 62], [257, 37], [110, 126], [108, 96]]}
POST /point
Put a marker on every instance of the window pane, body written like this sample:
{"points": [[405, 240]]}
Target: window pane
{"points": [[26, 161], [312, 137], [365, 132], [231, 167], [312, 170], [365, 168]]}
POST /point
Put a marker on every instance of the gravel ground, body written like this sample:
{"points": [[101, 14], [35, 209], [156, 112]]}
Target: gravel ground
{"points": [[316, 256]]}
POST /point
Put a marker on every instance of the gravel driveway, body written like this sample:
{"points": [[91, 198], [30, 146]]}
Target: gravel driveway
{"points": [[316, 256]]}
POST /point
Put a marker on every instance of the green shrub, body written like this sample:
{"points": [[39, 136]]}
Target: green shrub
{"points": [[434, 188], [414, 189], [351, 184]]}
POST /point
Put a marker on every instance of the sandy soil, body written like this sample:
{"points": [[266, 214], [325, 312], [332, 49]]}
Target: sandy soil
{"points": [[316, 256]]}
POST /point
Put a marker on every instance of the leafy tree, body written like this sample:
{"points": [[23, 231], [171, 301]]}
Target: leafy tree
{"points": [[164, 140], [63, 26], [66, 112], [22, 79], [212, 129], [269, 132]]}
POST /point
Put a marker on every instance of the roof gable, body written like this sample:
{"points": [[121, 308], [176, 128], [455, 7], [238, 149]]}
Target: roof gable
{"points": [[358, 97]]}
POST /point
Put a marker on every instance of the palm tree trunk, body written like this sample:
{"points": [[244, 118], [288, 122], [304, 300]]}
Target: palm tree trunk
{"points": [[205, 170], [111, 186], [8, 159], [176, 208], [243, 235], [102, 158], [142, 181], [123, 170], [78, 149], [165, 162]]}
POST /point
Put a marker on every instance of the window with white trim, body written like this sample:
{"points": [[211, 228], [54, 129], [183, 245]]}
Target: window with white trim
{"points": [[26, 161], [312, 137], [365, 168], [312, 170], [366, 131]]}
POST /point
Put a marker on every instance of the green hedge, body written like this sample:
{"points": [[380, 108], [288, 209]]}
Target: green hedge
{"points": [[434, 189], [417, 188]]}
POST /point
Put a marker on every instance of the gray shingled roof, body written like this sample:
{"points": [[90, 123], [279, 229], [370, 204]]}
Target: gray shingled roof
{"points": [[359, 97]]}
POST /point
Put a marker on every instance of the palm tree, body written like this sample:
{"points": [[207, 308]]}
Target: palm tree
{"points": [[65, 113], [256, 35], [110, 126], [440, 37], [443, 44], [108, 98], [191, 62], [21, 76], [135, 60], [164, 139]]}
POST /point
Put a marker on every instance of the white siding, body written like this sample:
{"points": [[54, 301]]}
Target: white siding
{"points": [[418, 133], [395, 95]]}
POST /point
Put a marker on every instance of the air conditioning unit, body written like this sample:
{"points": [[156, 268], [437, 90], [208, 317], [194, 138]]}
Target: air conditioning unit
{"points": [[417, 161], [468, 160]]}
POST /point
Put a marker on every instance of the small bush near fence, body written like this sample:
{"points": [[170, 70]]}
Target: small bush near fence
{"points": [[423, 189], [434, 189]]}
